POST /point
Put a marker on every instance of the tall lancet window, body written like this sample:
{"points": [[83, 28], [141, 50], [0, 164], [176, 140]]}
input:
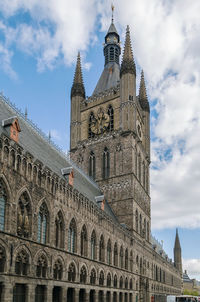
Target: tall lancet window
{"points": [[106, 163], [92, 165], [42, 223], [111, 115], [59, 223], [91, 119], [3, 199]]}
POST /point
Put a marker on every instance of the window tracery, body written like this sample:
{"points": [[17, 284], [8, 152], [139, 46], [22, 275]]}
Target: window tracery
{"points": [[72, 272], [72, 237], [58, 270], [22, 263], [43, 223], [106, 163], [41, 268]]}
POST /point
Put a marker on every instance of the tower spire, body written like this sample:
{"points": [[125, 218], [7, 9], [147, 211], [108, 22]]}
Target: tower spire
{"points": [[128, 64], [143, 99], [78, 86], [113, 8], [177, 253]]}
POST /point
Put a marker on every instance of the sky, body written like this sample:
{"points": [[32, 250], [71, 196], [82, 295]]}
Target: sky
{"points": [[39, 42]]}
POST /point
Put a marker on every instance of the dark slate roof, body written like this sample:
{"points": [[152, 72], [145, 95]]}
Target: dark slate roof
{"points": [[109, 78], [112, 29], [32, 140]]}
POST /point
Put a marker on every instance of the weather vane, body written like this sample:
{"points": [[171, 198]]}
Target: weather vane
{"points": [[113, 8]]}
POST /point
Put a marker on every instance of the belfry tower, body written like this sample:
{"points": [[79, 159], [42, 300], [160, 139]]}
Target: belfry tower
{"points": [[110, 134], [177, 253]]}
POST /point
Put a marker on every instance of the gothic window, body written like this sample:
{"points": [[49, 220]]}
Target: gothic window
{"points": [[111, 114], [115, 281], [115, 255], [2, 259], [18, 163], [29, 171], [126, 283], [93, 277], [126, 259], [109, 280], [121, 282], [106, 163], [83, 275], [116, 55], [3, 200], [57, 270], [24, 216], [111, 54], [6, 154], [101, 278], [12, 159], [109, 252], [22, 263], [131, 261], [93, 246], [145, 227], [72, 237], [42, 223], [139, 167], [84, 241], [91, 119], [121, 257], [24, 164], [101, 249], [131, 284], [72, 273], [92, 165], [34, 174], [136, 220], [106, 55], [41, 268], [140, 224], [59, 223]]}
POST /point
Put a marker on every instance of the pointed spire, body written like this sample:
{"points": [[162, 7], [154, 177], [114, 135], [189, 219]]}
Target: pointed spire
{"points": [[143, 99], [49, 136], [177, 241], [128, 64], [78, 86]]}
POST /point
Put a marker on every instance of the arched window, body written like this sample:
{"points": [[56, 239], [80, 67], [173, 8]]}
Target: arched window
{"points": [[59, 222], [22, 263], [116, 55], [109, 280], [126, 259], [2, 259], [131, 284], [115, 281], [101, 249], [42, 223], [93, 246], [12, 159], [91, 119], [93, 277], [111, 54], [24, 165], [24, 216], [126, 283], [84, 241], [92, 165], [57, 270], [140, 224], [41, 269], [111, 115], [136, 220], [72, 273], [121, 282], [18, 163], [121, 256], [131, 261], [101, 278], [83, 275], [3, 200], [115, 255], [72, 237], [106, 163], [141, 268], [109, 252]]}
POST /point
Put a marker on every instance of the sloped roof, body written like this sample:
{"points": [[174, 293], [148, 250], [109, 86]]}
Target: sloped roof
{"points": [[32, 140]]}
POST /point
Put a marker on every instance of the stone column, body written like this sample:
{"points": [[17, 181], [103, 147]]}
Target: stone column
{"points": [[30, 292], [95, 296], [76, 294], [87, 296], [7, 292], [49, 293]]}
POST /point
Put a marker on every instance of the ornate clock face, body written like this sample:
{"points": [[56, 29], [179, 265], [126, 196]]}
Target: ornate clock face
{"points": [[100, 123]]}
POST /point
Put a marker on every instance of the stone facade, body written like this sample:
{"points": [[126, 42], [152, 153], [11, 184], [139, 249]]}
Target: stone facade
{"points": [[57, 241]]}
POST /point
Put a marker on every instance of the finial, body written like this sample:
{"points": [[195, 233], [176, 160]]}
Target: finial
{"points": [[49, 136], [113, 8], [26, 113]]}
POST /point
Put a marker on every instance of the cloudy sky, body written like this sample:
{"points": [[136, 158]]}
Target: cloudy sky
{"points": [[39, 41]]}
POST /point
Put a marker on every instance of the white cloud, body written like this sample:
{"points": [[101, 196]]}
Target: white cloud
{"points": [[165, 37], [192, 266]]}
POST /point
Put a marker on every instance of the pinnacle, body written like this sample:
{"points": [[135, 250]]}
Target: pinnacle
{"points": [[128, 64], [143, 99], [78, 86]]}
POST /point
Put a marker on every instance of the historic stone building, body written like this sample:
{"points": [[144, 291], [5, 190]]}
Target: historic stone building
{"points": [[66, 236]]}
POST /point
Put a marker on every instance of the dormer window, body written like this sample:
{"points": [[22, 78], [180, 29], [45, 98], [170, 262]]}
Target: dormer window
{"points": [[13, 127]]}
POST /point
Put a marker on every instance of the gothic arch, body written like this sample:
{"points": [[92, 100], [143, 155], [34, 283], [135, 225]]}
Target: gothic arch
{"points": [[40, 253], [83, 273], [5, 197], [93, 243], [58, 269], [93, 276], [3, 258], [18, 249], [24, 213], [84, 241], [72, 236], [43, 222], [59, 229]]}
